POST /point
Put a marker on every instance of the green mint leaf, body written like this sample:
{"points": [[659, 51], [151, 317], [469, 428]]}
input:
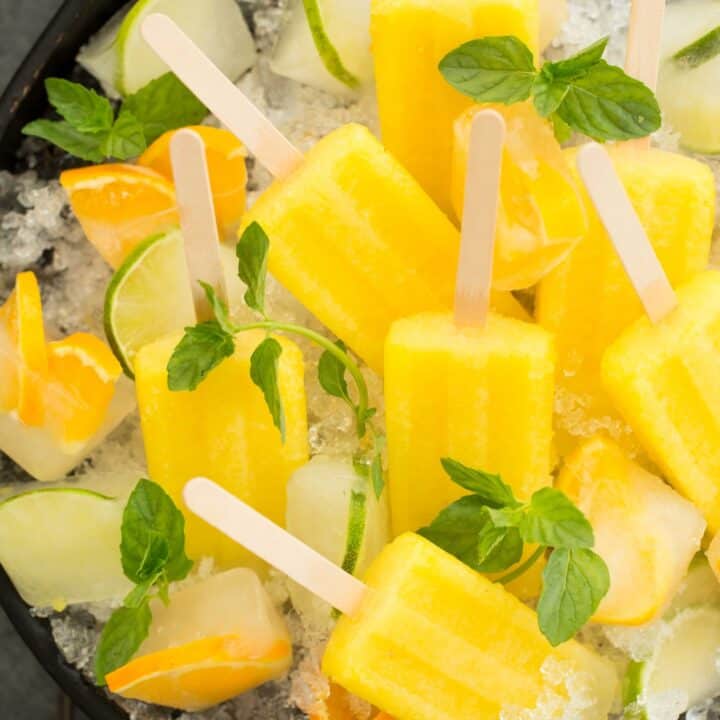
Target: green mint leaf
{"points": [[507, 517], [577, 64], [126, 139], [606, 104], [163, 591], [574, 583], [153, 535], [252, 255], [457, 529], [86, 146], [264, 373], [563, 132], [81, 107], [548, 94], [377, 475], [326, 50], [552, 520], [120, 639], [136, 597], [490, 488], [219, 308], [202, 349], [499, 548], [699, 52], [491, 69], [164, 104], [331, 374], [363, 419]]}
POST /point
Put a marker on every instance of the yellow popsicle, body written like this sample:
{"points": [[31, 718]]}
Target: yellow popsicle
{"points": [[222, 430], [417, 106], [588, 301]]}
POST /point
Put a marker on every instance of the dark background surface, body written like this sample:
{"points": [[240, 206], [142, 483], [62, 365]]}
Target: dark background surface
{"points": [[26, 691]]}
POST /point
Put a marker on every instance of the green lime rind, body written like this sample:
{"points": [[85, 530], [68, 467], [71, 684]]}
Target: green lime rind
{"points": [[126, 27], [357, 522], [632, 687], [701, 51], [48, 491], [328, 53]]}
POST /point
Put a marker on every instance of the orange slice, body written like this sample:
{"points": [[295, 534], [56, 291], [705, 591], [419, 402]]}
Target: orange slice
{"points": [[23, 358], [120, 205], [82, 372], [226, 166], [199, 674]]}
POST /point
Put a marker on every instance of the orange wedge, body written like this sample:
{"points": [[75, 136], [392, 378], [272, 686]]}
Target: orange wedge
{"points": [[82, 372], [23, 358], [120, 205], [199, 674], [226, 166]]}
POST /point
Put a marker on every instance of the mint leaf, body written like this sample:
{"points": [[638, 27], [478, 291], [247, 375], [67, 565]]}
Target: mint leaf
{"points": [[491, 69], [264, 373], [548, 94], [82, 108], [331, 374], [551, 519], [85, 146], [489, 488], [126, 139], [219, 308], [499, 548], [252, 255], [136, 597], [377, 475], [699, 52], [120, 639], [606, 104], [164, 104], [577, 64], [507, 517], [574, 583], [153, 535], [563, 132], [202, 349]]}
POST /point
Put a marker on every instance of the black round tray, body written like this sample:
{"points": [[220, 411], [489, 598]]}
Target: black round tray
{"points": [[25, 100]]}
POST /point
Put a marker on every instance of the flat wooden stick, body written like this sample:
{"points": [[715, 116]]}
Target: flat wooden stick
{"points": [[626, 232], [197, 219], [482, 198], [644, 45], [276, 546], [225, 101]]}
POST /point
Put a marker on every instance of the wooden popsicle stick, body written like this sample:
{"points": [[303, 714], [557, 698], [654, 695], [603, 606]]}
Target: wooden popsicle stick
{"points": [[219, 94], [482, 198], [197, 219], [631, 242], [644, 45], [276, 546]]}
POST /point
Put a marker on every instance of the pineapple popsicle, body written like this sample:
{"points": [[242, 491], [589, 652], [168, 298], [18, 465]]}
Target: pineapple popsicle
{"points": [[417, 107], [353, 236], [474, 388], [662, 371], [426, 638], [587, 301]]}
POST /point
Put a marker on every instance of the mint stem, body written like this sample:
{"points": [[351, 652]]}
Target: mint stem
{"points": [[326, 344], [521, 569]]}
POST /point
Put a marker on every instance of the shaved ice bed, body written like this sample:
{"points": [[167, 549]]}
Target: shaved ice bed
{"points": [[38, 232]]}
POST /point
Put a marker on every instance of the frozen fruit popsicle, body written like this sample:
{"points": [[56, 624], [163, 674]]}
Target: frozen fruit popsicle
{"points": [[353, 236], [587, 301], [426, 638], [417, 107], [542, 215], [662, 371], [474, 387]]}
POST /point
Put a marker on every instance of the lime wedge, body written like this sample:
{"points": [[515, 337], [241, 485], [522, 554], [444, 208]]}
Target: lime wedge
{"points": [[148, 297], [333, 509], [100, 58], [76, 555], [682, 671]]}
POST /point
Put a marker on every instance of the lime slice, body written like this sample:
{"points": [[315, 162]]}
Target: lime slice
{"points": [[217, 26], [326, 44], [62, 546], [99, 57], [682, 671], [148, 297], [334, 510]]}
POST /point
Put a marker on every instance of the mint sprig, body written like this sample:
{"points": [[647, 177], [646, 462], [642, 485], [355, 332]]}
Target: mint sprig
{"points": [[488, 530], [91, 131], [152, 550], [582, 93]]}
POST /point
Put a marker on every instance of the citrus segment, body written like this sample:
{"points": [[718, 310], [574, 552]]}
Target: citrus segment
{"points": [[226, 166], [82, 372], [119, 205]]}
